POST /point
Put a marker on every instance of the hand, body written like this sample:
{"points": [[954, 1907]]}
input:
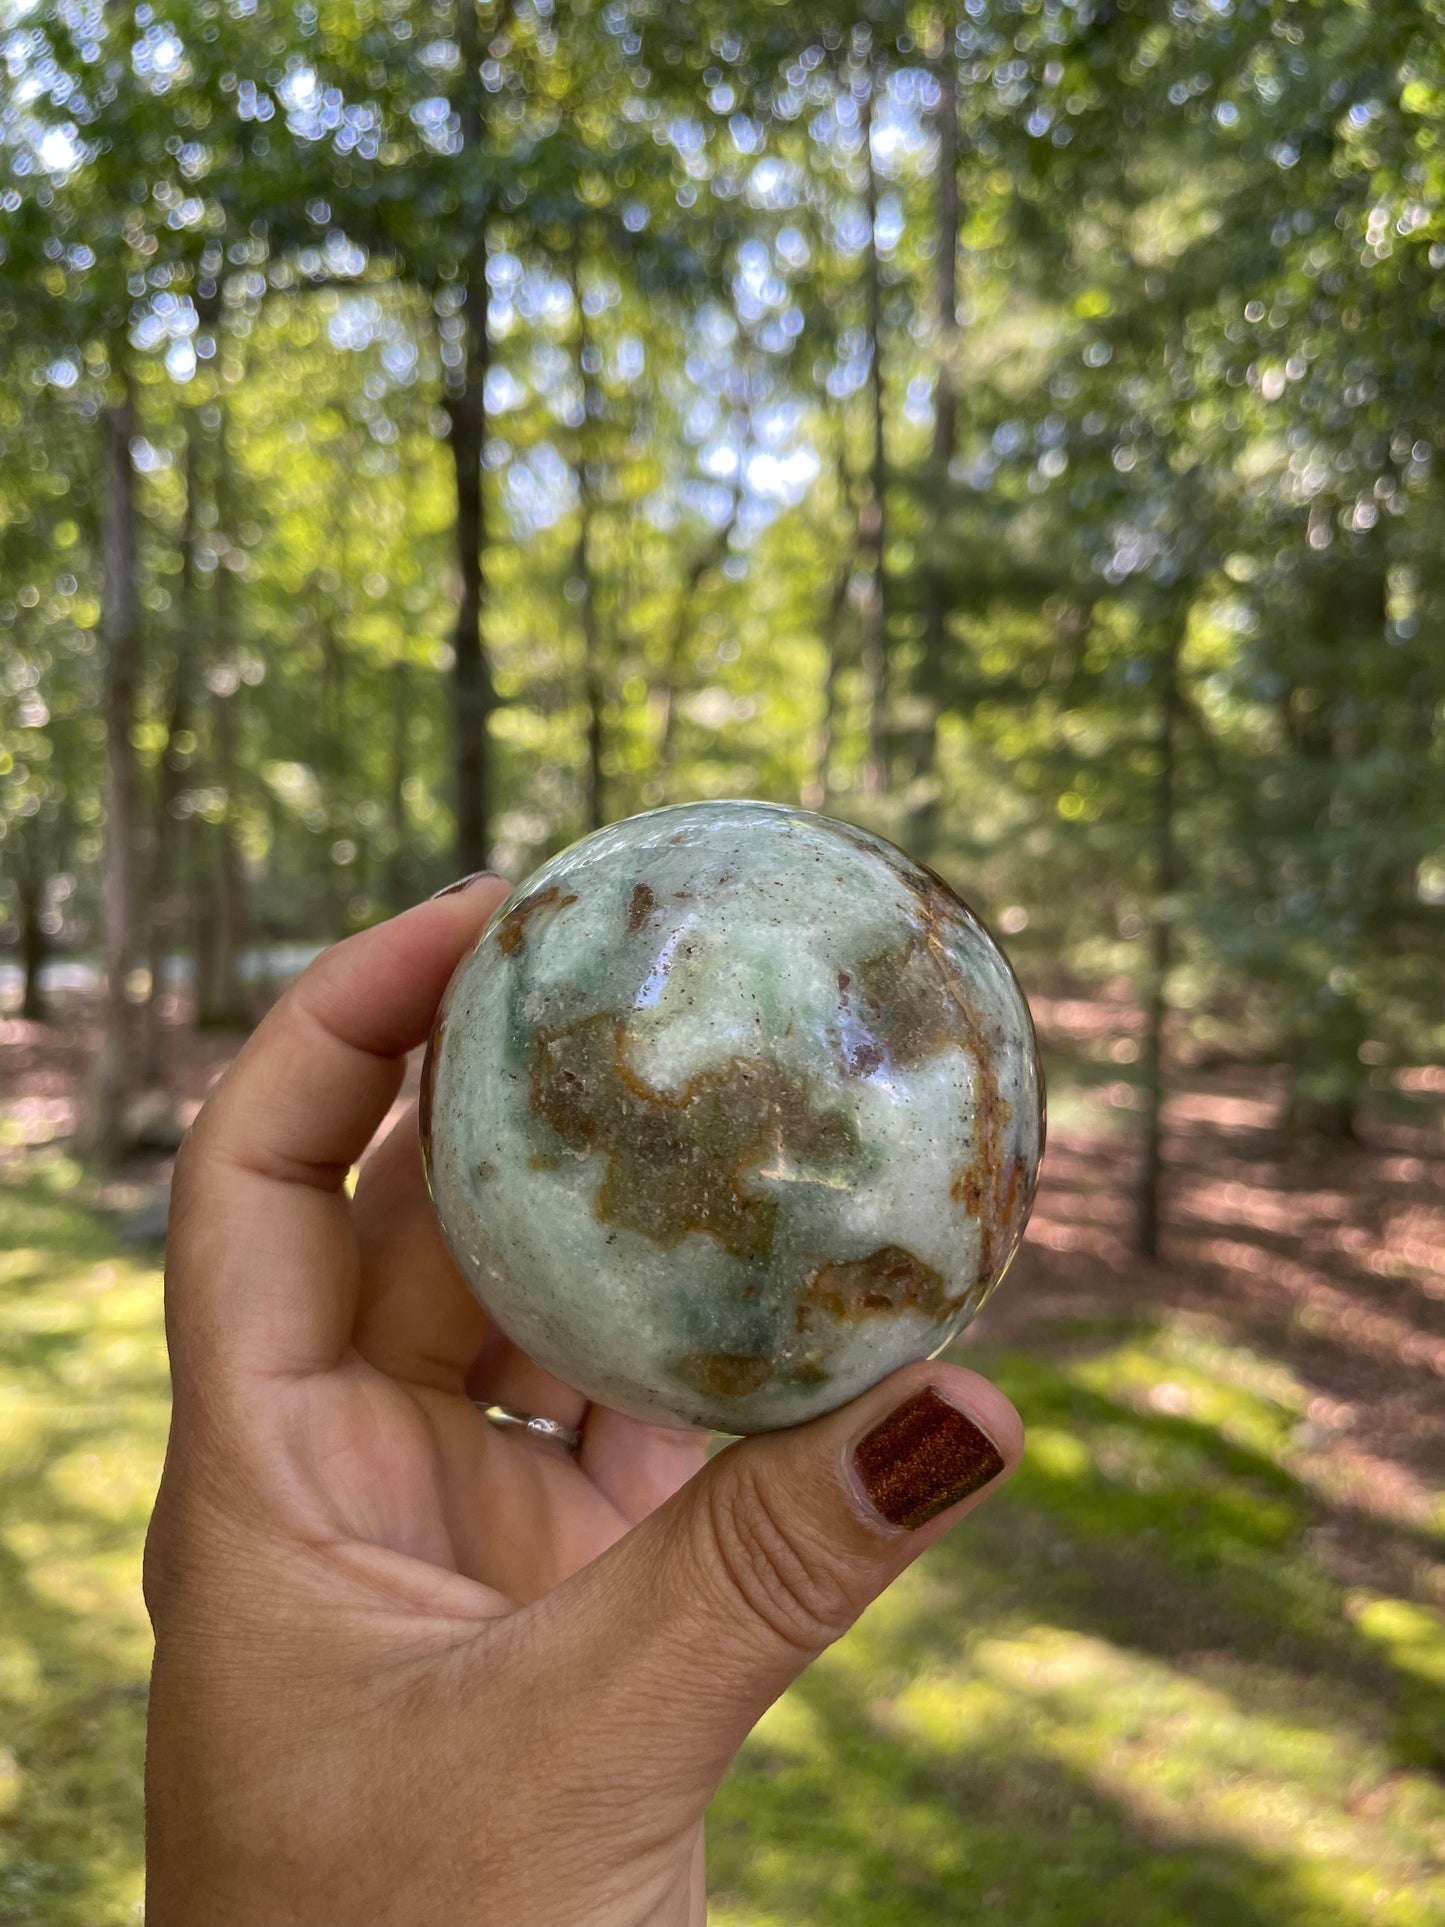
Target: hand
{"points": [[411, 1668]]}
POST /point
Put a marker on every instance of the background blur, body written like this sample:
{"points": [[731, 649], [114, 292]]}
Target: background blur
{"points": [[429, 429]]}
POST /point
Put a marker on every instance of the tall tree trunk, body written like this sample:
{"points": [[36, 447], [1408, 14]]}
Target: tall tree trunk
{"points": [[30, 889], [165, 841], [399, 869], [945, 441], [1346, 610], [814, 792], [164, 921], [594, 690], [873, 517], [1161, 927], [221, 1001], [472, 692], [593, 684], [104, 1135], [334, 758], [709, 557], [32, 951]]}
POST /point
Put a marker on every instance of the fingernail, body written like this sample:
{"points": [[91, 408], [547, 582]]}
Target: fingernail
{"points": [[923, 1458], [465, 883]]}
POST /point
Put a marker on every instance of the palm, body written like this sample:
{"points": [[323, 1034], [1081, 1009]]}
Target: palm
{"points": [[341, 1328], [394, 1453], [334, 1501]]}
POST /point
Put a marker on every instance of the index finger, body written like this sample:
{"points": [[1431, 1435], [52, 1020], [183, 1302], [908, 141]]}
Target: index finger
{"points": [[261, 1263]]}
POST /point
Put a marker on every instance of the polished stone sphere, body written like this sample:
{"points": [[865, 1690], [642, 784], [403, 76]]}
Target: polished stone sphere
{"points": [[732, 1110]]}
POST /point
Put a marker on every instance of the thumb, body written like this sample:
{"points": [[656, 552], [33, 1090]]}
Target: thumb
{"points": [[695, 1622]]}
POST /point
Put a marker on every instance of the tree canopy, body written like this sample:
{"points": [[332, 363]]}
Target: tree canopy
{"points": [[429, 428]]}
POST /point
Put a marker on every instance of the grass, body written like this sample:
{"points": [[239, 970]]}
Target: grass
{"points": [[1129, 1694], [83, 1404]]}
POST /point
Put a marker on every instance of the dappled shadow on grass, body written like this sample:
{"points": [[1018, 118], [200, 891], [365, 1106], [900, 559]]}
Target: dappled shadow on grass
{"points": [[83, 1407], [1124, 1691], [1329, 1259], [874, 1830], [72, 1711], [1136, 1688], [1163, 1533], [962, 1803]]}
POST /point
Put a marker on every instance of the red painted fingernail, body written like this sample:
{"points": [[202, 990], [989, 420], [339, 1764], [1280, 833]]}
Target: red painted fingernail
{"points": [[465, 883], [923, 1458]]}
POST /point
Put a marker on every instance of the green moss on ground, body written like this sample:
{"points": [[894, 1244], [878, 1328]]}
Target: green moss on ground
{"points": [[1131, 1692]]}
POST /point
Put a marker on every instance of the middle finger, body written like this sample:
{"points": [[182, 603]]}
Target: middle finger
{"points": [[416, 1320]]}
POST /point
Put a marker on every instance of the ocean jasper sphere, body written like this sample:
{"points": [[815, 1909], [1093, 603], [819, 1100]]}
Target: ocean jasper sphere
{"points": [[732, 1110]]}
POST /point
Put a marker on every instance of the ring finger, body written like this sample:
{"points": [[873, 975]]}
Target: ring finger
{"points": [[502, 1374]]}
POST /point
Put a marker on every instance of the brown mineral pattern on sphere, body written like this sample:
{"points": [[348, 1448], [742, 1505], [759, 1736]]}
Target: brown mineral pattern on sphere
{"points": [[733, 1110]]}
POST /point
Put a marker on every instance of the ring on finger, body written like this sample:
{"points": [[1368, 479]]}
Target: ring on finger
{"points": [[552, 1430]]}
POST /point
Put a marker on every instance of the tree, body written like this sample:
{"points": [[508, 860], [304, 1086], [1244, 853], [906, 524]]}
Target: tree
{"points": [[1019, 428]]}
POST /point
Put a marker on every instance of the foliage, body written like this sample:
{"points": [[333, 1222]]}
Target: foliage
{"points": [[1185, 412]]}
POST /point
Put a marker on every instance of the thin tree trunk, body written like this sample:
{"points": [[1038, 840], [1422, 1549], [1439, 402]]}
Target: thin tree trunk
{"points": [[164, 844], [399, 865], [814, 792], [333, 759], [945, 441], [707, 558], [872, 520], [594, 692], [104, 1137], [30, 889], [163, 918], [1161, 925], [473, 696], [593, 685], [221, 996], [945, 416], [1346, 610]]}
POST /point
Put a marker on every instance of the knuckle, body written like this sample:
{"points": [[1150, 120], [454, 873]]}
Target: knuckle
{"points": [[782, 1574], [188, 1158], [193, 1156], [162, 1560], [157, 1568], [186, 1208]]}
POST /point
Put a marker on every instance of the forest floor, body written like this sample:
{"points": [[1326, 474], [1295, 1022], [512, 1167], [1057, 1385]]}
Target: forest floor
{"points": [[1187, 1671]]}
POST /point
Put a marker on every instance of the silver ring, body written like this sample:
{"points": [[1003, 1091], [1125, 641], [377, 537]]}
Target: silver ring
{"points": [[551, 1429]]}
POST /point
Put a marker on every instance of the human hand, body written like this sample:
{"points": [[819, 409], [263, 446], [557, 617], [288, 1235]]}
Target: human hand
{"points": [[409, 1667]]}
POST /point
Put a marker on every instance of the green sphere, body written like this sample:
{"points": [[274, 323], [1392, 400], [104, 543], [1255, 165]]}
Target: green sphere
{"points": [[733, 1110]]}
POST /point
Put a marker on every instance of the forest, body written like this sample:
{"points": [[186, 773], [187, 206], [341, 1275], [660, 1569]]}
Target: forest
{"points": [[430, 429]]}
